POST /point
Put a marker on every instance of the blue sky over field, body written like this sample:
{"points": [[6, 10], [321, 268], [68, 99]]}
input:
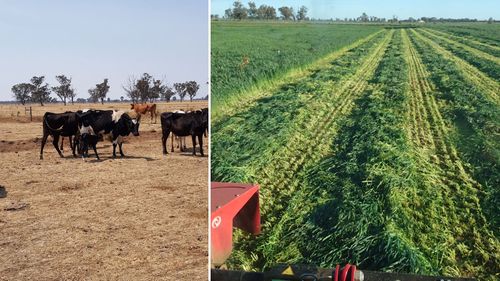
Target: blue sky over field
{"points": [[326, 9], [93, 40]]}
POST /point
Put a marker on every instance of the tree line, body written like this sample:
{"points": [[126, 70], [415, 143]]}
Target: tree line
{"points": [[365, 18], [142, 90], [148, 88], [263, 12], [266, 12]]}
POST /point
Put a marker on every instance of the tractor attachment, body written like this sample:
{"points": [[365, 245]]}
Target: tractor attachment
{"points": [[232, 204], [236, 204], [310, 273]]}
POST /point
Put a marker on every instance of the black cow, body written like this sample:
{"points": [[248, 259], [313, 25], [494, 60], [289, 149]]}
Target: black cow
{"points": [[97, 122], [56, 125], [205, 120], [87, 137], [184, 124]]}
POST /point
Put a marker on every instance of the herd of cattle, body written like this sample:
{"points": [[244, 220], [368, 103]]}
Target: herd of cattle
{"points": [[87, 127]]}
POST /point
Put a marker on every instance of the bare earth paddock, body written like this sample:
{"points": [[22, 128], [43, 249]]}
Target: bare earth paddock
{"points": [[142, 217]]}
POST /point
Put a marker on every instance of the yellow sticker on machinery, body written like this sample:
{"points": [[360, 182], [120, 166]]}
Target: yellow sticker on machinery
{"points": [[288, 271]]}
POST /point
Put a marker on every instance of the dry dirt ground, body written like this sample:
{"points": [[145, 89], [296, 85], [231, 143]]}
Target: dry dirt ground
{"points": [[142, 217]]}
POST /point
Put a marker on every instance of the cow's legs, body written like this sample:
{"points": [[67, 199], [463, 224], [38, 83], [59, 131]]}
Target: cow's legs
{"points": [[183, 143], [164, 138], [55, 142], [72, 145], [84, 146], [114, 150], [172, 143], [121, 151], [62, 143], [75, 146], [200, 142], [95, 151], [193, 137], [44, 140]]}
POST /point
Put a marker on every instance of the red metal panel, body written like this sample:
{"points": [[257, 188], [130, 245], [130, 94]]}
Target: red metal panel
{"points": [[232, 204]]}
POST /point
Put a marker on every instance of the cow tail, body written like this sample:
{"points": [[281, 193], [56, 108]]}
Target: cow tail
{"points": [[52, 129]]}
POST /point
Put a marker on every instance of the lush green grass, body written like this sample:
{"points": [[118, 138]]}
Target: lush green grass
{"points": [[487, 33], [252, 134], [270, 49], [343, 180]]}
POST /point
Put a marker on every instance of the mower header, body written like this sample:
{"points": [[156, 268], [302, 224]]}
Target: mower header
{"points": [[232, 204]]}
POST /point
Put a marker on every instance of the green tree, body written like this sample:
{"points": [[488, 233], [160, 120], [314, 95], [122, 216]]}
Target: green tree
{"points": [[239, 11], [191, 88], [363, 17], [40, 93], [100, 91], [252, 10], [143, 87], [302, 13], [22, 92], [156, 91], [64, 90], [167, 94], [266, 12], [228, 14], [94, 97], [286, 13], [181, 90]]}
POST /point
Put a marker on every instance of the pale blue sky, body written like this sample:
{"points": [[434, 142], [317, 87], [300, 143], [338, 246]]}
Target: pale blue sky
{"points": [[326, 9], [97, 39]]}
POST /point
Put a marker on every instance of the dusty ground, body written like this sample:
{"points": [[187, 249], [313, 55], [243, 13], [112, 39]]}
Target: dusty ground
{"points": [[143, 217]]}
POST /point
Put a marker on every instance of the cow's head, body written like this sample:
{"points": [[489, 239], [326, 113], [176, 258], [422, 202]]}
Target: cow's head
{"points": [[130, 125]]}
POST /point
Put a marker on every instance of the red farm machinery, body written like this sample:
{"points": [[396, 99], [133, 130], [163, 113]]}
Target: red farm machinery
{"points": [[237, 205]]}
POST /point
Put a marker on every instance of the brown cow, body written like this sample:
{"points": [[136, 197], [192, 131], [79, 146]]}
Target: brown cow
{"points": [[144, 108]]}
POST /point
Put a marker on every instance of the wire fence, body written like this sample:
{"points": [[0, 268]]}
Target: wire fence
{"points": [[33, 112]]}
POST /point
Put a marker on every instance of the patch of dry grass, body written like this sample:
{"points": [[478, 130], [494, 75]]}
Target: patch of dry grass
{"points": [[114, 219]]}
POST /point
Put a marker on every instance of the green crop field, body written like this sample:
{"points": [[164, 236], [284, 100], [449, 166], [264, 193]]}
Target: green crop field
{"points": [[381, 148], [245, 55]]}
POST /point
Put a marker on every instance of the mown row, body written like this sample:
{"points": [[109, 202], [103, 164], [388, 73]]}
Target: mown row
{"points": [[280, 148], [488, 64], [469, 72], [476, 122], [487, 48], [245, 55], [250, 136], [388, 157], [486, 33]]}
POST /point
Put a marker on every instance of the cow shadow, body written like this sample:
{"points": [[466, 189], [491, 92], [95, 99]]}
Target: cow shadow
{"points": [[94, 160], [189, 152]]}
